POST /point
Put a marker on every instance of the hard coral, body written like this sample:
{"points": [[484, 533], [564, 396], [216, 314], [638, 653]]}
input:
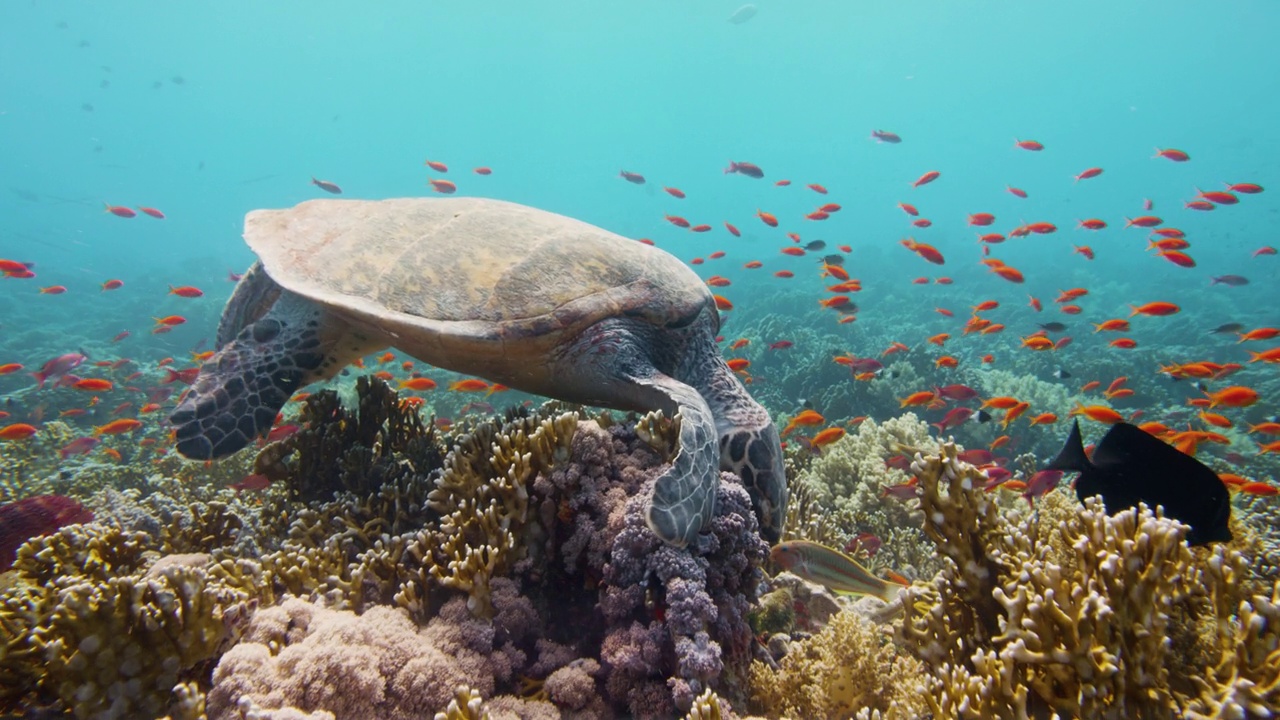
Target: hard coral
{"points": [[847, 667], [1078, 615]]}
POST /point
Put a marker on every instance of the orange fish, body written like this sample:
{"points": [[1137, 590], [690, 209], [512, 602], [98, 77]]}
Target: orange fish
{"points": [[753, 265], [116, 427], [152, 212], [419, 384], [469, 385], [826, 437], [1099, 413], [674, 192], [186, 291], [1113, 325], [717, 281], [1003, 402], [112, 285], [1236, 396], [722, 303], [834, 271], [1008, 273], [170, 320], [922, 397], [738, 364], [926, 178], [1259, 334], [53, 290], [8, 368], [437, 166], [17, 431], [1260, 488], [92, 384], [767, 218], [807, 418], [444, 187], [739, 343], [784, 274], [1159, 309]]}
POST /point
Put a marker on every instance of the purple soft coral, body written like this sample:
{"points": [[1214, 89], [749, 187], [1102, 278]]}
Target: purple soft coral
{"points": [[701, 595]]}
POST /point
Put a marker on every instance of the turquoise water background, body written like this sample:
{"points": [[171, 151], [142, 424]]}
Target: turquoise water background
{"points": [[213, 109]]}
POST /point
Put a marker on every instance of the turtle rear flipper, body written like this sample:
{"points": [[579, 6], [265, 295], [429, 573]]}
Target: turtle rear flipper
{"points": [[239, 390]]}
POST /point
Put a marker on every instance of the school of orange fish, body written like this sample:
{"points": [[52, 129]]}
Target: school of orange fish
{"points": [[1217, 409]]}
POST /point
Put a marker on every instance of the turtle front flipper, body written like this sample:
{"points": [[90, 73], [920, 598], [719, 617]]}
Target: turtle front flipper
{"points": [[239, 390], [684, 497], [749, 442]]}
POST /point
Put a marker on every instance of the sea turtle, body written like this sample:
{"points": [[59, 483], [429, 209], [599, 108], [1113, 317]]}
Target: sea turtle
{"points": [[524, 297]]}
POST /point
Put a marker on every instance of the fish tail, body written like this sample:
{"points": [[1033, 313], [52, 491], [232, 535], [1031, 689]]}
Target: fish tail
{"points": [[1072, 455]]}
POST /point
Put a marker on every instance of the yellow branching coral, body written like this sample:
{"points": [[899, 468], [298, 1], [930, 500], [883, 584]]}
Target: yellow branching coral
{"points": [[1076, 612], [847, 667], [483, 502], [89, 618]]}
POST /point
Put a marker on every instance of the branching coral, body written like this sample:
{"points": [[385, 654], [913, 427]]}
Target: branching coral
{"points": [[848, 666], [1077, 615], [842, 493], [84, 623]]}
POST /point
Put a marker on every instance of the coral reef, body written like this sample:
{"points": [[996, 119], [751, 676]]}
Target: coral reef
{"points": [[848, 667], [91, 620], [842, 493], [1079, 613]]}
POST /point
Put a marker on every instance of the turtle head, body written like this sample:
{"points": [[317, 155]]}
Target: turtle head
{"points": [[755, 455]]}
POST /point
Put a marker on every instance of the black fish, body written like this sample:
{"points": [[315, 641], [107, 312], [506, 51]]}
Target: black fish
{"points": [[1052, 326], [1130, 465], [1232, 280], [816, 245], [983, 416], [1227, 328], [831, 260], [744, 168], [633, 178], [1061, 374]]}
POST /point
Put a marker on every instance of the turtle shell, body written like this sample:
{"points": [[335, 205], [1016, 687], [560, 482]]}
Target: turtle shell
{"points": [[471, 284]]}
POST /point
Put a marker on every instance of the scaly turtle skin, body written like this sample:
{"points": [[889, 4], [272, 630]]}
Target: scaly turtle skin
{"points": [[527, 298]]}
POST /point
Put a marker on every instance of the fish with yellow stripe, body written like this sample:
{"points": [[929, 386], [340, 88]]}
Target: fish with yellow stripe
{"points": [[831, 568]]}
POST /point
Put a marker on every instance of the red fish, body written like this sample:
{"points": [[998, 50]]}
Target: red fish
{"points": [[1016, 192], [926, 178], [32, 517], [444, 187], [981, 219], [1089, 173], [674, 192], [483, 171], [152, 212], [633, 178], [732, 230], [909, 209], [1145, 221], [186, 291], [437, 166], [1172, 154], [1031, 145], [120, 211]]}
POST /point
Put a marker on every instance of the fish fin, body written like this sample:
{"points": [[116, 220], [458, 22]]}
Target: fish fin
{"points": [[1072, 456]]}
